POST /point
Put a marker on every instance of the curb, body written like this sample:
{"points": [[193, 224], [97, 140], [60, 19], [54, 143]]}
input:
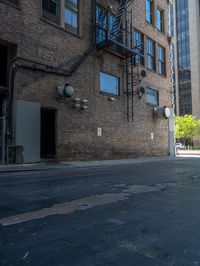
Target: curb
{"points": [[75, 165]]}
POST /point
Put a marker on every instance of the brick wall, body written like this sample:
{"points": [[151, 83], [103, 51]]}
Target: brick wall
{"points": [[77, 130]]}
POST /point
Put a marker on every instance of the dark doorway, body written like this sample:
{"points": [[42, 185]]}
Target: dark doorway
{"points": [[48, 133], [3, 65]]}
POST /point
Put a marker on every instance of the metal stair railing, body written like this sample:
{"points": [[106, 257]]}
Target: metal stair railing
{"points": [[119, 18]]}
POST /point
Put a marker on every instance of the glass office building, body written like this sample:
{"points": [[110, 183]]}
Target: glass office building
{"points": [[183, 57]]}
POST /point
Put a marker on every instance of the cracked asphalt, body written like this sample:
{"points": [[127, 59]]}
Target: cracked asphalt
{"points": [[138, 214]]}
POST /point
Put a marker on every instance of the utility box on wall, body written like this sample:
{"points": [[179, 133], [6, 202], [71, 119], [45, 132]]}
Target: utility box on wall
{"points": [[27, 129], [15, 154]]}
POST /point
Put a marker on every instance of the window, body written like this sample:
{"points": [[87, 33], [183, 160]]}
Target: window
{"points": [[109, 84], [139, 48], [161, 60], [160, 20], [152, 97], [51, 10], [101, 22], [149, 11], [51, 6], [71, 14], [104, 24], [151, 54]]}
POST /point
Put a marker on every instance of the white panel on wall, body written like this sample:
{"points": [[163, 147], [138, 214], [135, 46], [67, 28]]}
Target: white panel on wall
{"points": [[27, 129]]}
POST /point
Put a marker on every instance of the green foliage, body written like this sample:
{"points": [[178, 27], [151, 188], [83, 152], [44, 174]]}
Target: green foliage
{"points": [[187, 127], [193, 147]]}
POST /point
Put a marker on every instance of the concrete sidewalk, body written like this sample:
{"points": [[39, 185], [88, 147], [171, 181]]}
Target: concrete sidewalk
{"points": [[86, 164], [188, 152]]}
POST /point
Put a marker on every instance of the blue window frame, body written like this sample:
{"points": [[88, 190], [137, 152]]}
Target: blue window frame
{"points": [[152, 97], [109, 84]]}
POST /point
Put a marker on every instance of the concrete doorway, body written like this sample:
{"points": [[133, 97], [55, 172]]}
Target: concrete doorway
{"points": [[48, 133]]}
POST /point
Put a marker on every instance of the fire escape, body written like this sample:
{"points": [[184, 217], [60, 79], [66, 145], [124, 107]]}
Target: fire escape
{"points": [[118, 38]]}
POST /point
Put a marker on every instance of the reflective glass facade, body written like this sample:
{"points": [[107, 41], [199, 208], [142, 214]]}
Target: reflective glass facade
{"points": [[183, 53]]}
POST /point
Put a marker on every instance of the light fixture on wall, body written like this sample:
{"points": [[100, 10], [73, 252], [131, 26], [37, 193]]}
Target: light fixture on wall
{"points": [[110, 6], [161, 112], [141, 92], [111, 99]]}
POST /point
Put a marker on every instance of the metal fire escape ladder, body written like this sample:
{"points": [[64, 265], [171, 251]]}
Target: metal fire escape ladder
{"points": [[119, 18], [124, 19], [129, 63], [120, 39]]}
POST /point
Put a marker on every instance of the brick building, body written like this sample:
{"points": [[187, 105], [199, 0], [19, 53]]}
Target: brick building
{"points": [[80, 79]]}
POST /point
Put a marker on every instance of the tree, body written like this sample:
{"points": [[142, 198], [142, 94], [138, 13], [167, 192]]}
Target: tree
{"points": [[187, 127]]}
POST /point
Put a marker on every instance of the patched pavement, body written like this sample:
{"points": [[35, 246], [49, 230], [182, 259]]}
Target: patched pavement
{"points": [[144, 213]]}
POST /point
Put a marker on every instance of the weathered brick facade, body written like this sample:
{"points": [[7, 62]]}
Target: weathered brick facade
{"points": [[38, 39]]}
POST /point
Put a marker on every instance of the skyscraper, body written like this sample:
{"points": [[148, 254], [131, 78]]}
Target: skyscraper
{"points": [[187, 66]]}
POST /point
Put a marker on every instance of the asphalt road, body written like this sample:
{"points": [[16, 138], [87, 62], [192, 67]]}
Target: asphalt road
{"points": [[140, 214]]}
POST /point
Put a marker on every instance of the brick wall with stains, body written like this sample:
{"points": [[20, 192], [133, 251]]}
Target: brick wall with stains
{"points": [[76, 131]]}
